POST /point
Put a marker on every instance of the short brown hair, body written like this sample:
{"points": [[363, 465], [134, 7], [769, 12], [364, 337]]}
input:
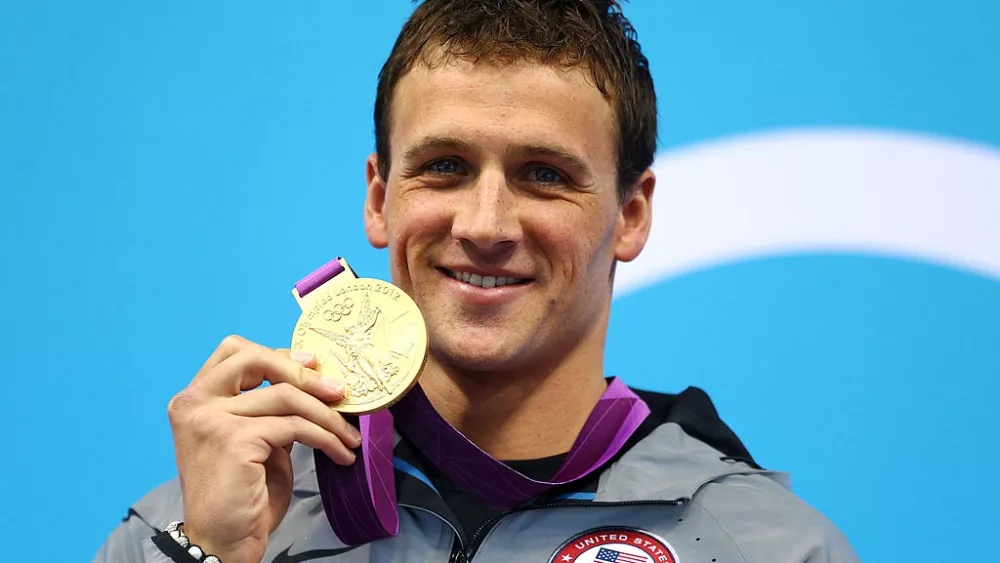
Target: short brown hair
{"points": [[589, 33]]}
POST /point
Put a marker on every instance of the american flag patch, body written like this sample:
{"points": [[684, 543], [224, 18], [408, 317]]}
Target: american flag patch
{"points": [[606, 555], [618, 544]]}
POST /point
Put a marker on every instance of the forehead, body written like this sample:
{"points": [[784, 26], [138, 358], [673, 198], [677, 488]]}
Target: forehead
{"points": [[491, 103]]}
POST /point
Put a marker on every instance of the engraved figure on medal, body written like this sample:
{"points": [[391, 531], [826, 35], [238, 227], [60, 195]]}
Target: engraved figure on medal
{"points": [[364, 357]]}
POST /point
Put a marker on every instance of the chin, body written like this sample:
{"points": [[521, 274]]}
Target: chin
{"points": [[467, 352]]}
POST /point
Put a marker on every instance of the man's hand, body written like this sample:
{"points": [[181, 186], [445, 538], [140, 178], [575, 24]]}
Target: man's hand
{"points": [[233, 447]]}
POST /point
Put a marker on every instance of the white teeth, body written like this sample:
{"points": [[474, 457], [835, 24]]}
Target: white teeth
{"points": [[483, 281]]}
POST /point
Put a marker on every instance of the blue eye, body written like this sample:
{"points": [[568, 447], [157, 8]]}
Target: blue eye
{"points": [[445, 166], [546, 175]]}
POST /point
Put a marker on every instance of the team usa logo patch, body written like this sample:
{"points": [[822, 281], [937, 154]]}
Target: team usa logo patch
{"points": [[615, 545]]}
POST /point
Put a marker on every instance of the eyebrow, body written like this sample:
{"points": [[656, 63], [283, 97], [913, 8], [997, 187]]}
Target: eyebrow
{"points": [[556, 153], [446, 142], [433, 143]]}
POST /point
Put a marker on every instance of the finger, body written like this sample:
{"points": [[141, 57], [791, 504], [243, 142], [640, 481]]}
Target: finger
{"points": [[279, 431], [307, 359], [251, 366], [287, 400], [229, 346]]}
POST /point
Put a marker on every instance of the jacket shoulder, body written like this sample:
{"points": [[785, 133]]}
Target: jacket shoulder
{"points": [[770, 524], [132, 539]]}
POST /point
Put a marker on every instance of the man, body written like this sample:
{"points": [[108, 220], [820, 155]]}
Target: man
{"points": [[513, 145]]}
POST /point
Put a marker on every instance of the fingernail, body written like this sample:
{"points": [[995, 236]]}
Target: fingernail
{"points": [[354, 432], [333, 384], [300, 356]]}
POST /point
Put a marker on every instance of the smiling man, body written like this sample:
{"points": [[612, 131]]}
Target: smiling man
{"points": [[507, 172], [511, 174]]}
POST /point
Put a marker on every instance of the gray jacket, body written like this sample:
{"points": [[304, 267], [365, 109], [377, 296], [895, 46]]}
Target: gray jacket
{"points": [[702, 504]]}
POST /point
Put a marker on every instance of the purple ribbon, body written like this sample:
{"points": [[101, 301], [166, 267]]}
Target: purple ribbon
{"points": [[360, 499], [320, 276]]}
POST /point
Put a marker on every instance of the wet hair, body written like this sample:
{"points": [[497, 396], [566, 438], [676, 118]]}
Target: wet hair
{"points": [[590, 34]]}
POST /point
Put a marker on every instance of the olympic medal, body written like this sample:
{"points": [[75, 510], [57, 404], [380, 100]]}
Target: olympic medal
{"points": [[367, 332]]}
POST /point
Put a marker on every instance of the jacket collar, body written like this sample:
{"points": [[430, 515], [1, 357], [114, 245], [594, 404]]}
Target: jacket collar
{"points": [[668, 465]]}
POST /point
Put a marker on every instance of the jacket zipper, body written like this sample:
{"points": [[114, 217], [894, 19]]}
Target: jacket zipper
{"points": [[466, 555], [457, 546]]}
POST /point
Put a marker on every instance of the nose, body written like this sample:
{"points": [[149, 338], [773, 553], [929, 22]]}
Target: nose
{"points": [[486, 218]]}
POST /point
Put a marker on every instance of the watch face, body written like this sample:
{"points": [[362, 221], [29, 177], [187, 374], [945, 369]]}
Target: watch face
{"points": [[370, 334]]}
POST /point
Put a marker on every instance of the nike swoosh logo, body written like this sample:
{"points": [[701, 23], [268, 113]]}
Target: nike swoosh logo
{"points": [[284, 557]]}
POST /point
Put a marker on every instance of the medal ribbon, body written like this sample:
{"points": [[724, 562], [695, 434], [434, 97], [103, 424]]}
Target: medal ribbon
{"points": [[360, 499]]}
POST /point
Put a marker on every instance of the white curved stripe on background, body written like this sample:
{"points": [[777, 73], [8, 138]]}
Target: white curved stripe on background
{"points": [[854, 190]]}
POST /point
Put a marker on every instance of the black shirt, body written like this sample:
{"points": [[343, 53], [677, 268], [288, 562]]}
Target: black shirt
{"points": [[470, 510]]}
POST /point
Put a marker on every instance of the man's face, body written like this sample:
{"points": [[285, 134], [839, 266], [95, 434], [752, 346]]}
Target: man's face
{"points": [[500, 210]]}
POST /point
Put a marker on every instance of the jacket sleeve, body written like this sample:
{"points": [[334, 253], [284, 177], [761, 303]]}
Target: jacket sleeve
{"points": [[769, 524]]}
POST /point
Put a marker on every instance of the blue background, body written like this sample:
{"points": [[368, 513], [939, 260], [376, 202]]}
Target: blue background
{"points": [[167, 170]]}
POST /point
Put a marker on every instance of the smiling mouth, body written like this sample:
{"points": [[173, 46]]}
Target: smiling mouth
{"points": [[484, 281]]}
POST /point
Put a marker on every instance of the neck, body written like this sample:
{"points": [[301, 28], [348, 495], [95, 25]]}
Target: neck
{"points": [[526, 413]]}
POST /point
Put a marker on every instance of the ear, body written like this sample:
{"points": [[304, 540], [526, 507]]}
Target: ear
{"points": [[376, 226], [635, 216]]}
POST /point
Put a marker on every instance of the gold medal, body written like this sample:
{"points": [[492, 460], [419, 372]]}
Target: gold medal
{"points": [[365, 331]]}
